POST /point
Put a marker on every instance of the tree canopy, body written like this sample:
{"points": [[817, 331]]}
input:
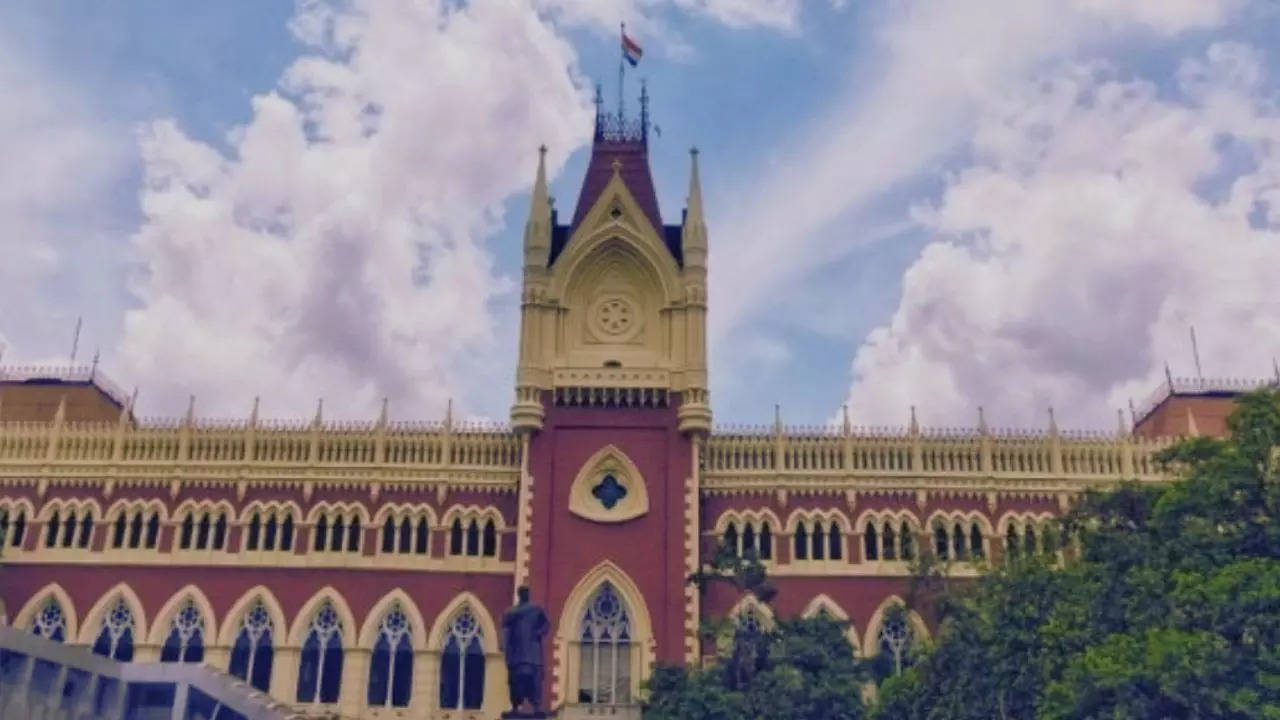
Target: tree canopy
{"points": [[1164, 602]]}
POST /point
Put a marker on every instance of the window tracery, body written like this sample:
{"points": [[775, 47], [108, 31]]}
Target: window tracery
{"points": [[50, 622], [958, 537], [473, 533], [252, 652], [185, 641], [270, 529], [391, 664], [895, 639], [888, 536], [115, 639], [337, 531], [462, 665], [320, 666], [748, 534], [406, 531], [135, 527], [817, 537], [604, 650]]}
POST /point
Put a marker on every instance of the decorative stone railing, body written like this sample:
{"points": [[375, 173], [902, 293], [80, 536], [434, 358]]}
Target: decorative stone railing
{"points": [[1197, 386], [823, 455]]}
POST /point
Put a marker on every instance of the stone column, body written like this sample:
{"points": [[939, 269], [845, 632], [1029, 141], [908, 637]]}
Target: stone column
{"points": [[355, 682]]}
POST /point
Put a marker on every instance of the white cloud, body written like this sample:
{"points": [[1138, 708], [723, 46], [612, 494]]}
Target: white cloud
{"points": [[336, 248], [604, 15], [936, 64], [1072, 257], [60, 163]]}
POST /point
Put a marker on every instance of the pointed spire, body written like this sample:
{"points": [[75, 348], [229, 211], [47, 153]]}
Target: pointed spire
{"points": [[191, 411], [695, 190], [982, 421], [777, 417], [253, 414], [537, 230], [448, 414], [382, 416], [1193, 430], [914, 427], [694, 231], [1053, 422], [127, 409], [1121, 430], [319, 418], [1275, 367], [1168, 376], [1133, 415], [845, 426]]}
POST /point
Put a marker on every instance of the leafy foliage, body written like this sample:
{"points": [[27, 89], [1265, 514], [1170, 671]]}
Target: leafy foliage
{"points": [[1166, 606]]}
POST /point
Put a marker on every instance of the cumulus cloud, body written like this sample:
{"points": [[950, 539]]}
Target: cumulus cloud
{"points": [[935, 65], [1099, 221], [604, 15], [335, 245], [60, 164]]}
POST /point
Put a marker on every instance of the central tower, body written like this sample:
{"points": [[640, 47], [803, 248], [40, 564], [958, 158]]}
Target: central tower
{"points": [[611, 400]]}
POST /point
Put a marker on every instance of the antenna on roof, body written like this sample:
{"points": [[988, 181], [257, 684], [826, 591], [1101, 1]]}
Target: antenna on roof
{"points": [[75, 340], [1195, 352], [93, 369]]}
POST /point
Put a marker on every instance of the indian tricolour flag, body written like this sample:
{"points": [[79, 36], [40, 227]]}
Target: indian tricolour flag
{"points": [[630, 49]]}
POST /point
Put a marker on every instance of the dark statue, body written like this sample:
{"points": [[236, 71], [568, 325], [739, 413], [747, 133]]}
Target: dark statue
{"points": [[523, 628]]}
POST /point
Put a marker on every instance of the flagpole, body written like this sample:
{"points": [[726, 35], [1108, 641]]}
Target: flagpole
{"points": [[622, 66]]}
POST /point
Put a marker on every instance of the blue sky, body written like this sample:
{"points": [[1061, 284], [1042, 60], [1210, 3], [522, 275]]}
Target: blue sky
{"points": [[939, 204]]}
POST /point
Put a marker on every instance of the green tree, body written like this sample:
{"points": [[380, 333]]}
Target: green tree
{"points": [[1166, 606], [799, 669]]}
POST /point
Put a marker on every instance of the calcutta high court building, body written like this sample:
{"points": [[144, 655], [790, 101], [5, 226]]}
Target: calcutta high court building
{"points": [[361, 570]]}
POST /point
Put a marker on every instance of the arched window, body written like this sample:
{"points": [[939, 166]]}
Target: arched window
{"points": [[353, 535], [455, 537], [907, 541], [766, 541], [391, 665], [462, 664], [871, 543], [958, 545], [890, 544], [605, 650], [941, 548], [4, 527], [202, 532], [269, 532], [420, 537], [320, 669], [153, 530], [473, 538], [115, 639], [405, 540], [748, 621], [135, 530], [286, 533], [185, 642], [117, 537], [86, 529], [389, 535], [1011, 541], [220, 532], [975, 542], [731, 537], [489, 540], [19, 529], [801, 542], [748, 539], [252, 652], [184, 535], [835, 542], [50, 622], [336, 534], [322, 529], [895, 640], [51, 534], [69, 529], [255, 532], [1029, 540]]}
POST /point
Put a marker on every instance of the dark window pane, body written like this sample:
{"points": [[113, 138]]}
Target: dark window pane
{"points": [[153, 530], [473, 538], [86, 530], [379, 666], [450, 667], [455, 537], [473, 674], [269, 533], [335, 535], [389, 535], [801, 543], [255, 529], [490, 544], [171, 651], [406, 535], [353, 535], [309, 668], [51, 534], [402, 675], [766, 542], [286, 534], [220, 532], [184, 535], [871, 544], [420, 537], [321, 531], [202, 532], [331, 683]]}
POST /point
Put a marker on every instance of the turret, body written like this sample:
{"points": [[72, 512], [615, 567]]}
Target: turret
{"points": [[537, 230]]}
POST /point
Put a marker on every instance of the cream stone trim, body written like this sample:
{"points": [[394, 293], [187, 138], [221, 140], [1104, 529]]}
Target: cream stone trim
{"points": [[280, 508], [750, 603], [692, 552], [265, 559], [756, 518], [231, 621], [36, 603], [343, 508], [133, 505], [413, 511], [467, 513], [373, 620], [822, 602], [92, 625], [609, 459], [879, 517], [951, 517], [871, 645], [489, 638], [524, 520], [302, 620], [196, 507], [164, 616], [15, 507], [564, 679], [62, 505], [825, 516], [1022, 518]]}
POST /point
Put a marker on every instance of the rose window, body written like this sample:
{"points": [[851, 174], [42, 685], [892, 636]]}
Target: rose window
{"points": [[615, 316]]}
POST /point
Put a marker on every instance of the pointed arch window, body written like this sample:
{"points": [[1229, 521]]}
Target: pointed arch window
{"points": [[389, 535], [115, 639], [19, 529], [890, 542], [184, 535], [322, 528], [819, 542], [895, 640], [420, 537], [202, 532], [391, 665], [473, 538], [50, 622], [462, 664], [69, 529], [185, 641], [455, 537], [835, 542], [605, 650], [51, 534], [286, 533], [766, 541], [153, 530], [801, 542], [489, 540], [220, 532], [252, 652], [731, 537], [117, 537], [269, 532], [871, 543], [255, 532], [320, 668], [907, 540], [86, 530]]}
